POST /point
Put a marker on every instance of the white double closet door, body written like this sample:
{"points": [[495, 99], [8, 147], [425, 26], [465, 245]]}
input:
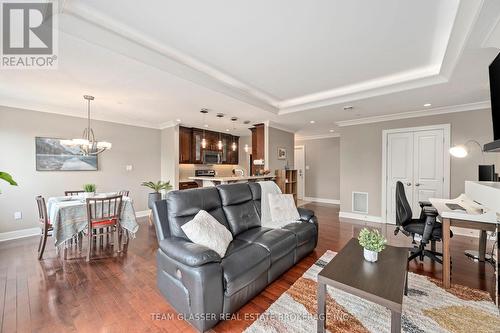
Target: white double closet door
{"points": [[417, 159]]}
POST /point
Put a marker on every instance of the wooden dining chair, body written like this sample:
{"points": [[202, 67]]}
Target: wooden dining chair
{"points": [[72, 193], [103, 215], [125, 193], [45, 225]]}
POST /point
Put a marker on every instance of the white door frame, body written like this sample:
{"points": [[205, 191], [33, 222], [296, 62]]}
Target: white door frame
{"points": [[446, 165], [303, 147]]}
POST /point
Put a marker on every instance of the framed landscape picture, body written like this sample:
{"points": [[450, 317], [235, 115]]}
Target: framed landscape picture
{"points": [[51, 155], [281, 154]]}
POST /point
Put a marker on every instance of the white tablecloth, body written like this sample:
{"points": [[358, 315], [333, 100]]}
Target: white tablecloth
{"points": [[68, 216]]}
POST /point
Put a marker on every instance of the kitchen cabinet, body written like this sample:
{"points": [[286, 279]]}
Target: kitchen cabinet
{"points": [[191, 151], [185, 149]]}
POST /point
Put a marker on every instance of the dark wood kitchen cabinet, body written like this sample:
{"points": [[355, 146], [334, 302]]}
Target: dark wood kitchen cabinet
{"points": [[185, 149], [191, 150]]}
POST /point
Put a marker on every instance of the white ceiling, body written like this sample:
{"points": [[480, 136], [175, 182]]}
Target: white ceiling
{"points": [[282, 61]]}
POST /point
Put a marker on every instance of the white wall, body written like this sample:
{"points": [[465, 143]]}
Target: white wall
{"points": [[132, 145], [279, 139]]}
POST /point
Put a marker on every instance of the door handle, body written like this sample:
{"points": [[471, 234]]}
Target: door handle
{"points": [[417, 184], [408, 184]]}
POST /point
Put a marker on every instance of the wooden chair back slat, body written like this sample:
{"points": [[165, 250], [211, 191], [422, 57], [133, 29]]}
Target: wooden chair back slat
{"points": [[72, 193], [124, 193]]}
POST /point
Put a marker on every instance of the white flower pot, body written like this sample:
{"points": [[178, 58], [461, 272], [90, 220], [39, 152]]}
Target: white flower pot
{"points": [[88, 195], [370, 256]]}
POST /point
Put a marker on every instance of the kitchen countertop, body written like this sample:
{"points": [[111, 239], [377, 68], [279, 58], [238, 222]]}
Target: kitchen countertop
{"points": [[232, 178]]}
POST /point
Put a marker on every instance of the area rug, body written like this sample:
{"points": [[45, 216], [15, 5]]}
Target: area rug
{"points": [[427, 308]]}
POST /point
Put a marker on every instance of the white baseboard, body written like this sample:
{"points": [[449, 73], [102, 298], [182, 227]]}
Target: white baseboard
{"points": [[322, 200], [16, 234], [362, 217], [22, 233], [142, 213]]}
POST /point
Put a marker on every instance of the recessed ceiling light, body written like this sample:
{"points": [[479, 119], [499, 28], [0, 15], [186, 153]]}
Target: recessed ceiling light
{"points": [[227, 129], [178, 120], [312, 121], [348, 108], [427, 104], [331, 131], [206, 125]]}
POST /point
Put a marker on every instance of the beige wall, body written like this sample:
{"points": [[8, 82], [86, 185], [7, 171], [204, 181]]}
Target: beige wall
{"points": [[134, 146], [282, 139], [322, 179], [361, 154], [244, 157], [169, 155]]}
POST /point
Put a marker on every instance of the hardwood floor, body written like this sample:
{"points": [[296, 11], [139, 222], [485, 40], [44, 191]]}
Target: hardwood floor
{"points": [[120, 294]]}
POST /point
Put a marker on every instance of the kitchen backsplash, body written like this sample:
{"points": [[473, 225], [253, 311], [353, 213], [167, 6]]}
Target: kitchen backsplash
{"points": [[187, 170]]}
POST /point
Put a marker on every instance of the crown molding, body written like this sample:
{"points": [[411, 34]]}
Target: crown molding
{"points": [[317, 137], [189, 68], [168, 124], [270, 123], [51, 109], [416, 114]]}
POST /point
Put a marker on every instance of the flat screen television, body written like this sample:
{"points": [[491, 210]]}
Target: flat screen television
{"points": [[495, 104]]}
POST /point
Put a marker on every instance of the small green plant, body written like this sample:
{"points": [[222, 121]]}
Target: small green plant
{"points": [[371, 240], [89, 188], [8, 178], [158, 186]]}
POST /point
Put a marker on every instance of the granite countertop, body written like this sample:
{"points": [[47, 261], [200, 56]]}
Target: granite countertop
{"points": [[231, 178]]}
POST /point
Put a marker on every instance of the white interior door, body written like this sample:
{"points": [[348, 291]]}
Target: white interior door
{"points": [[416, 158], [399, 168], [299, 165], [428, 173]]}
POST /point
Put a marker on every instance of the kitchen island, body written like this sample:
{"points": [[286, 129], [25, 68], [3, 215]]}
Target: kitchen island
{"points": [[213, 181]]}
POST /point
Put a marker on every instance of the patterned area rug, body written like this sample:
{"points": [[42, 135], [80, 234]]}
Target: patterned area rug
{"points": [[427, 308]]}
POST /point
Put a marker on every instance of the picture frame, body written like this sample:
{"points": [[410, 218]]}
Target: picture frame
{"points": [[282, 153], [51, 155]]}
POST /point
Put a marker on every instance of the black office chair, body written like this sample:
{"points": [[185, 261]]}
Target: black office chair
{"points": [[426, 226]]}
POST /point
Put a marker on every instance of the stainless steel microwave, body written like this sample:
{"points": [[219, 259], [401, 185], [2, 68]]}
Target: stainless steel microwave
{"points": [[212, 157]]}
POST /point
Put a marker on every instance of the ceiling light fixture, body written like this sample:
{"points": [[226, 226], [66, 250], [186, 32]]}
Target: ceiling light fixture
{"points": [[88, 144], [219, 143], [312, 121], [427, 104], [203, 140], [246, 148], [331, 131], [348, 108], [178, 120], [233, 145]]}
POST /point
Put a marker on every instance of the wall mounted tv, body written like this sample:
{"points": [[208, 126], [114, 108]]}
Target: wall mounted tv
{"points": [[495, 104]]}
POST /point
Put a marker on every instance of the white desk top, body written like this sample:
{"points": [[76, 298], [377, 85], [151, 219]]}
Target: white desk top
{"points": [[475, 212]]}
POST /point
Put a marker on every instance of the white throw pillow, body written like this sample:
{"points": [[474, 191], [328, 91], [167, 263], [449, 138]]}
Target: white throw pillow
{"points": [[283, 210], [205, 230]]}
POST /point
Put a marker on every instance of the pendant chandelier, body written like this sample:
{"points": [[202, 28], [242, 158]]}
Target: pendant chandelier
{"points": [[88, 144]]}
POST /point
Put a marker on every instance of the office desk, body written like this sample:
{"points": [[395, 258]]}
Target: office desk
{"points": [[472, 219]]}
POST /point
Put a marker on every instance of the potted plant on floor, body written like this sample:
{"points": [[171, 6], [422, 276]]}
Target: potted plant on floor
{"points": [[89, 190], [156, 187], [372, 242]]}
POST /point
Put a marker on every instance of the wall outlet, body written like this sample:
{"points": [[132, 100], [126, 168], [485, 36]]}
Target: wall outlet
{"points": [[18, 215]]}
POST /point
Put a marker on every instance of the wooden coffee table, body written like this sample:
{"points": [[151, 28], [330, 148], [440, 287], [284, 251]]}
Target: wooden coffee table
{"points": [[382, 282]]}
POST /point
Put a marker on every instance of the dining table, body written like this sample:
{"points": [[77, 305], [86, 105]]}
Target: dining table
{"points": [[68, 216]]}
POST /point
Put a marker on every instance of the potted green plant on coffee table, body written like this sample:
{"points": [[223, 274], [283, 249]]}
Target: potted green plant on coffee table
{"points": [[372, 242], [157, 188]]}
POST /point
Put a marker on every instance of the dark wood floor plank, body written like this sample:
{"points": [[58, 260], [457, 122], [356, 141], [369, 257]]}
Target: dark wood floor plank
{"points": [[120, 295]]}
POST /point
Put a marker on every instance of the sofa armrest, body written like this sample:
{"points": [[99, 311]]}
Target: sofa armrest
{"points": [[187, 252], [305, 214]]}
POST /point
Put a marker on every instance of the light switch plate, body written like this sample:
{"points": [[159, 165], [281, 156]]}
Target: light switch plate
{"points": [[18, 215], [307, 167]]}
